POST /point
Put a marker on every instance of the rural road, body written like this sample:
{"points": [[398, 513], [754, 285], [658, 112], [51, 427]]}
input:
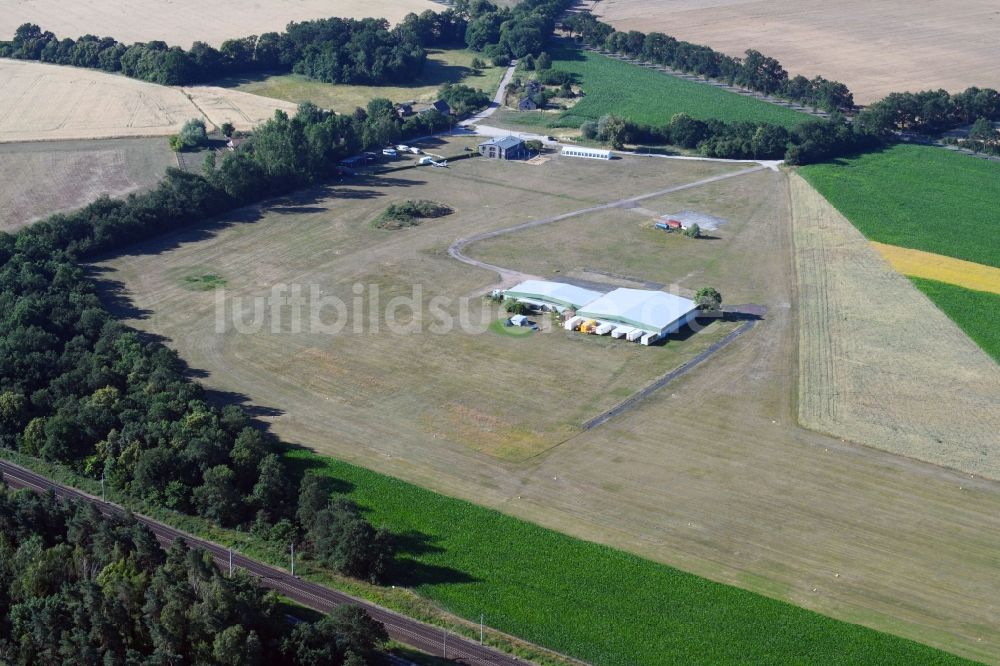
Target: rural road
{"points": [[497, 98], [510, 276], [432, 640]]}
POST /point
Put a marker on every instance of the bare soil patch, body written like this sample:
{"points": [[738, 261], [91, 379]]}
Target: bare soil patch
{"points": [[874, 47], [42, 178], [181, 22]]}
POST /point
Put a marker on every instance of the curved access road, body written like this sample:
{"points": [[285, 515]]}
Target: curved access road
{"points": [[509, 276], [432, 640]]}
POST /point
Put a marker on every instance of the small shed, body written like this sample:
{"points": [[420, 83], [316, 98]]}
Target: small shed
{"points": [[526, 104]]}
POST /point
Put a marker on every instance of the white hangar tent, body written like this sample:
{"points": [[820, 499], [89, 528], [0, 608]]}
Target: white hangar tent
{"points": [[554, 295], [589, 153], [655, 312]]}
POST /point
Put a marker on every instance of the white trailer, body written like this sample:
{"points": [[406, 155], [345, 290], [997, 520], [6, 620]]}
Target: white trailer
{"points": [[621, 332], [650, 338], [414, 150], [573, 323], [634, 334], [604, 329]]}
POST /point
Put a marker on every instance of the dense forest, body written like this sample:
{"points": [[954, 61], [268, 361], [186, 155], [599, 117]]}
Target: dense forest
{"points": [[334, 50], [80, 587]]}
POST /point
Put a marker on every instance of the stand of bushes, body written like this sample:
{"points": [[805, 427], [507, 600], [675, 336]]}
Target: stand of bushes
{"points": [[409, 213], [80, 587]]}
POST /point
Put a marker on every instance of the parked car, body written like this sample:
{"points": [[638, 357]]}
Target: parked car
{"points": [[389, 152]]}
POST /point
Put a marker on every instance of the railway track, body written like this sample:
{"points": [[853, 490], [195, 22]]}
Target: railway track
{"points": [[427, 638]]}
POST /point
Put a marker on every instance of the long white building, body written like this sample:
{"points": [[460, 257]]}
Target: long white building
{"points": [[654, 312], [638, 315]]}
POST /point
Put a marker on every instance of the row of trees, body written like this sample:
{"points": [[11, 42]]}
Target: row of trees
{"points": [[755, 71], [79, 388], [926, 112], [335, 50], [930, 111], [811, 141], [80, 587], [288, 152]]}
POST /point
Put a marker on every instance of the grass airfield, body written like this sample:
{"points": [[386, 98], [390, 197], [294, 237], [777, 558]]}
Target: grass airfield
{"points": [[713, 474]]}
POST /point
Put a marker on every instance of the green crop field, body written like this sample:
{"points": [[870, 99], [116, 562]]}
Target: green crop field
{"points": [[593, 602], [645, 96], [975, 312], [919, 197]]}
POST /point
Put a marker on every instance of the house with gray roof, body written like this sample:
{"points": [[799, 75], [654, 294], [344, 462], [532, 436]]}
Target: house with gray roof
{"points": [[504, 148]]}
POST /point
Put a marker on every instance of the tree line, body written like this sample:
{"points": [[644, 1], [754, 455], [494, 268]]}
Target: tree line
{"points": [[811, 141], [925, 112], [79, 388], [334, 50], [80, 587], [755, 71]]}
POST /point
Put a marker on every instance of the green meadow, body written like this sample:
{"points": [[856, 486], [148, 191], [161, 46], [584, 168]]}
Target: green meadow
{"points": [[919, 197], [976, 312], [644, 96]]}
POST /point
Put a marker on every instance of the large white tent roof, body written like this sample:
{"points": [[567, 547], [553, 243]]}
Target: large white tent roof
{"points": [[558, 293], [642, 308]]}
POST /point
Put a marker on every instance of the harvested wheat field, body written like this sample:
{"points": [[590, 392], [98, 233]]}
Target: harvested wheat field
{"points": [[46, 102], [243, 110], [41, 178], [181, 22], [874, 47], [917, 263], [879, 364]]}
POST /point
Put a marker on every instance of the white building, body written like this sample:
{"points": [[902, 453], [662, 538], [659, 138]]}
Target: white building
{"points": [[589, 153], [557, 296], [655, 312], [638, 315]]}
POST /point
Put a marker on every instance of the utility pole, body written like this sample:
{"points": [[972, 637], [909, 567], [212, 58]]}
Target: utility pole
{"points": [[104, 497], [444, 649], [293, 559], [481, 628], [230, 562]]}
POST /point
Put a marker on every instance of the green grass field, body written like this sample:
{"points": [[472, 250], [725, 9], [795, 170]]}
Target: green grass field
{"points": [[593, 602], [644, 96], [443, 66], [919, 197], [975, 312]]}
